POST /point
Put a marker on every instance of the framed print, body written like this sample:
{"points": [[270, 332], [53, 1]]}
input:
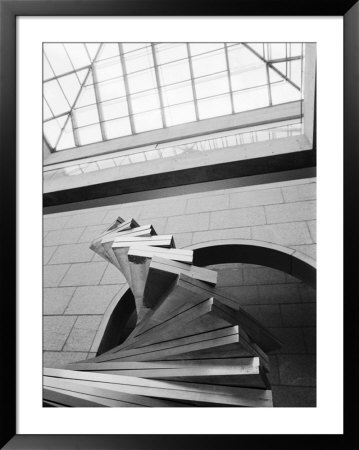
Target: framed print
{"points": [[166, 231]]}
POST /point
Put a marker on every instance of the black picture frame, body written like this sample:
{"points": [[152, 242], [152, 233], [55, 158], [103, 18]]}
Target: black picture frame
{"points": [[9, 10]]}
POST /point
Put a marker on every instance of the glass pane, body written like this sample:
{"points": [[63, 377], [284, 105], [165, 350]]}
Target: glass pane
{"points": [[284, 92], [203, 48], [295, 49], [67, 138], [214, 107], [251, 99], [249, 78], [174, 72], [209, 63], [259, 48], [145, 102], [241, 59], [147, 121], [109, 90], [180, 114], [139, 60], [137, 157], [212, 85], [109, 69], [106, 164], [178, 93], [117, 128], [46, 110], [55, 98], [88, 135], [87, 97], [131, 47], [58, 58], [170, 52], [108, 51], [142, 81], [52, 130], [114, 109], [71, 87], [86, 116], [295, 72], [92, 49], [78, 55], [277, 50], [82, 74], [47, 71]]}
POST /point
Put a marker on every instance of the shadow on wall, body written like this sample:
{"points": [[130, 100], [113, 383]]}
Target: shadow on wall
{"points": [[121, 323]]}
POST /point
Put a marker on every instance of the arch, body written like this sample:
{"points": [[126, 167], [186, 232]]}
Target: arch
{"points": [[224, 251]]}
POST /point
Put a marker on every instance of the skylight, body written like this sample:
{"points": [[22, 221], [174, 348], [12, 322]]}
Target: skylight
{"points": [[96, 92]]}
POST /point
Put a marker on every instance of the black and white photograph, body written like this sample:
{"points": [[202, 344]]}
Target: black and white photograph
{"points": [[179, 224]]}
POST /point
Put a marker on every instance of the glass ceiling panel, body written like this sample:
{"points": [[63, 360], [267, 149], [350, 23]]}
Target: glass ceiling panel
{"points": [[108, 90]]}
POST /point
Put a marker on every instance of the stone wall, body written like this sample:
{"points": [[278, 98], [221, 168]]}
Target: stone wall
{"points": [[79, 286]]}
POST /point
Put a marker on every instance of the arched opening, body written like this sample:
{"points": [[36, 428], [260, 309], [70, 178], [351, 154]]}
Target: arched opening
{"points": [[286, 306]]}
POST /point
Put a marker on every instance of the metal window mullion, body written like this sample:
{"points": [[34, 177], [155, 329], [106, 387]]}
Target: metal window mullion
{"points": [[248, 47], [127, 89], [67, 53], [269, 87], [229, 77], [98, 103], [192, 81], [77, 97], [159, 88], [75, 130]]}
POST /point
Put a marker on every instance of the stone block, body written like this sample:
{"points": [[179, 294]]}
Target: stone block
{"points": [[256, 197], [307, 293], [291, 212], [310, 337], [86, 219], [112, 276], [228, 233], [92, 232], [242, 217], [56, 300], [56, 330], [164, 208], [292, 340], [299, 314], [243, 295], [84, 274], [211, 203], [65, 236], [182, 239], [187, 223], [290, 396], [299, 192], [312, 225], [47, 253], [278, 293], [230, 277], [72, 253], [283, 234], [91, 299], [262, 275], [297, 370], [55, 223], [83, 333], [267, 315], [125, 211], [308, 250], [273, 374], [159, 224], [54, 274], [61, 359]]}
